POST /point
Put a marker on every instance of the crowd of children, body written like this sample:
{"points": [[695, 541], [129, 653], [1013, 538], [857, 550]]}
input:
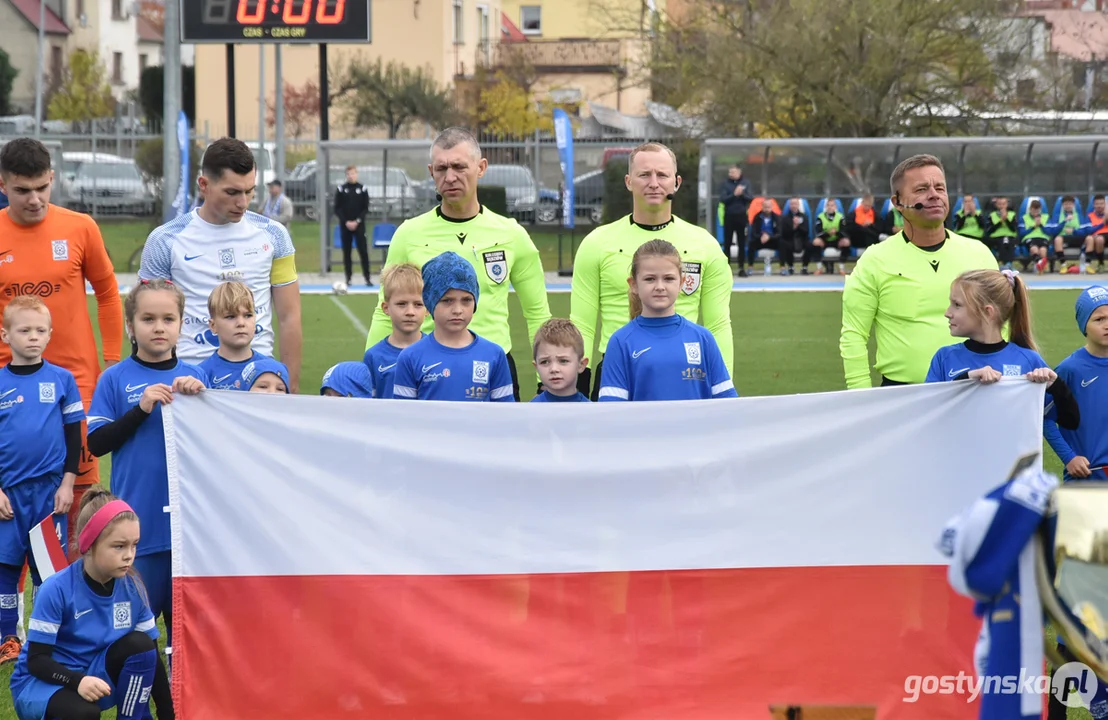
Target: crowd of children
{"points": [[73, 666]]}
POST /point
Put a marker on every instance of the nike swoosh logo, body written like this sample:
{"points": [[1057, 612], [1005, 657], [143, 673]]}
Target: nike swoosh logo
{"points": [[190, 258], [77, 615], [430, 367], [637, 353], [132, 388], [86, 472], [1084, 383], [956, 373], [384, 368], [4, 395], [221, 379]]}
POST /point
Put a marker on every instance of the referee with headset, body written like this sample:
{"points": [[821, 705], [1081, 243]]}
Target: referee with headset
{"points": [[902, 285]]}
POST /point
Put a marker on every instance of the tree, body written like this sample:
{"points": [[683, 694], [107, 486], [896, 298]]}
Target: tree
{"points": [[507, 110], [301, 108], [84, 94], [7, 81], [391, 96], [811, 68], [152, 92]]}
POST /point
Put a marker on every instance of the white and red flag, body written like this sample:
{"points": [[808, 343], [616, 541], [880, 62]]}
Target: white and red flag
{"points": [[693, 560]]}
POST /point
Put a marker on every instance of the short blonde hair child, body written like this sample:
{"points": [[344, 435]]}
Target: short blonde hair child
{"points": [[401, 278], [24, 302], [559, 332], [230, 297]]}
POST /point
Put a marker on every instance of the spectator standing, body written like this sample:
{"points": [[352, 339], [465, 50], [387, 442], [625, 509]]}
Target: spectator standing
{"points": [[902, 286], [735, 196], [277, 206], [351, 208]]}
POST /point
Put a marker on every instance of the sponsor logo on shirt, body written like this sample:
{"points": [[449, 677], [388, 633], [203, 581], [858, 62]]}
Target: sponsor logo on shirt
{"points": [[636, 353], [7, 393], [6, 404], [226, 258], [935, 265], [6, 257], [427, 368], [477, 393], [1012, 371], [132, 388], [60, 248], [496, 265], [121, 616], [42, 289], [190, 258], [692, 353], [481, 372], [956, 373], [1087, 383], [693, 374], [692, 277], [47, 392], [1096, 292]]}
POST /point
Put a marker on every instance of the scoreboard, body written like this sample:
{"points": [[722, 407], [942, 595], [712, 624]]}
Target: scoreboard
{"points": [[275, 21]]}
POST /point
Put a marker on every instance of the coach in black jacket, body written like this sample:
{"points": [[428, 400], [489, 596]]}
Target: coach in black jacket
{"points": [[735, 196], [351, 207]]}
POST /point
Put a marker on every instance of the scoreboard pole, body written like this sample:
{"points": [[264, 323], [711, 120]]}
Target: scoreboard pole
{"points": [[230, 90], [324, 96]]}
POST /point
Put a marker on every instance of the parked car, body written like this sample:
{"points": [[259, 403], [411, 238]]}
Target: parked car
{"points": [[400, 197], [588, 200], [519, 186], [105, 184]]}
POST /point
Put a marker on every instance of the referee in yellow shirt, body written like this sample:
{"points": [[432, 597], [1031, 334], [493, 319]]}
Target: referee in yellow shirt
{"points": [[902, 285]]}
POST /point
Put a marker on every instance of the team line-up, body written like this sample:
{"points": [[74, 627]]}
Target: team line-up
{"points": [[213, 280]]}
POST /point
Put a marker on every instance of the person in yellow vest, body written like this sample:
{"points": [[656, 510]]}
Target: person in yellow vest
{"points": [[1001, 232], [968, 221], [1033, 234], [830, 233], [1073, 233]]}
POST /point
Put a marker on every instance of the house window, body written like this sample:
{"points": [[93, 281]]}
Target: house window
{"points": [[459, 36], [143, 60], [80, 8], [530, 19], [117, 68], [57, 64], [483, 41], [117, 9]]}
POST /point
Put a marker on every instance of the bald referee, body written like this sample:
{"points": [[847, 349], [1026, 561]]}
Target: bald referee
{"points": [[603, 262], [902, 285], [499, 249]]}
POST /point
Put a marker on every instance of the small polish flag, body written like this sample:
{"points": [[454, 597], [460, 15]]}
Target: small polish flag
{"points": [[46, 548]]}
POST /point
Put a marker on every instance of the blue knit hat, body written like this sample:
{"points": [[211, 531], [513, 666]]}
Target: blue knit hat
{"points": [[1087, 302], [256, 368], [448, 271], [349, 379]]}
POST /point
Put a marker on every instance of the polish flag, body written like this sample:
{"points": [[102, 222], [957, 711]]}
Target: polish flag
{"points": [[46, 548], [693, 560]]}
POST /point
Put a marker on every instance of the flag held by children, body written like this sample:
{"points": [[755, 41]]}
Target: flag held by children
{"points": [[46, 546], [695, 560]]}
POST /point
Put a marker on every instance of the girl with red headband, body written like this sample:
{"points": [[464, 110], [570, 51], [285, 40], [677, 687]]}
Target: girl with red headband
{"points": [[92, 641]]}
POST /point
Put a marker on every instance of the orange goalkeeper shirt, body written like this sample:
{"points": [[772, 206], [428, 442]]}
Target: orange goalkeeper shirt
{"points": [[52, 259]]}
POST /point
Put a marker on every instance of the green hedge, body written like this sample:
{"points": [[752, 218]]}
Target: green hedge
{"points": [[494, 198], [617, 200]]}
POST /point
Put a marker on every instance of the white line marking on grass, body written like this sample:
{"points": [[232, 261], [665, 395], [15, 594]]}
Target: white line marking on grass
{"points": [[350, 316]]}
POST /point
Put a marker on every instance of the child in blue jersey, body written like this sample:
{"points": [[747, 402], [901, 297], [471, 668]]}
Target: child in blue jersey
{"points": [[659, 355], [126, 420], [402, 301], [266, 375], [40, 449], [92, 643], [347, 379], [233, 323], [1084, 449], [452, 363], [981, 303], [559, 358]]}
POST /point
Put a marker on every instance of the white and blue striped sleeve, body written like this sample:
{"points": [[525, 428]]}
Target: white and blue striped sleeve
{"points": [[157, 256], [102, 411], [48, 614], [501, 376], [720, 379], [73, 409], [615, 376], [405, 383]]}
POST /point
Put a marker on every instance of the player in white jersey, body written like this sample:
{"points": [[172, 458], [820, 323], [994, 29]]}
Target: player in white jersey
{"points": [[221, 241]]}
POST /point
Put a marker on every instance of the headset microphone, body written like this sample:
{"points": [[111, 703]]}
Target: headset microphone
{"points": [[917, 206], [670, 196]]}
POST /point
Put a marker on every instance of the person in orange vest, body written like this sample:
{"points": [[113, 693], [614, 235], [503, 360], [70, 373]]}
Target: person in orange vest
{"points": [[1096, 217], [861, 225]]}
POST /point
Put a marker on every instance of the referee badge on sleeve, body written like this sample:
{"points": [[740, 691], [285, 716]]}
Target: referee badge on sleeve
{"points": [[496, 265], [692, 277]]}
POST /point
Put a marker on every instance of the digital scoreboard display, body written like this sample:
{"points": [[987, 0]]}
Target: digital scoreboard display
{"points": [[274, 21]]}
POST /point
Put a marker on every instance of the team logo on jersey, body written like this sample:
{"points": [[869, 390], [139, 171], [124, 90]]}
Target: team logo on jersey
{"points": [[42, 289], [121, 616], [47, 393], [692, 353], [692, 277], [481, 372], [60, 248], [496, 265], [226, 259], [1012, 371]]}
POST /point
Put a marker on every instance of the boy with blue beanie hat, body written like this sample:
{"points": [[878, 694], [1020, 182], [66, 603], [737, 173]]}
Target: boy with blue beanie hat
{"points": [[1084, 451], [452, 363], [347, 379], [266, 375]]}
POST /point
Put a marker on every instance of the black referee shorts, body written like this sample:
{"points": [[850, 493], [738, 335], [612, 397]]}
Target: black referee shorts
{"points": [[515, 376]]}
